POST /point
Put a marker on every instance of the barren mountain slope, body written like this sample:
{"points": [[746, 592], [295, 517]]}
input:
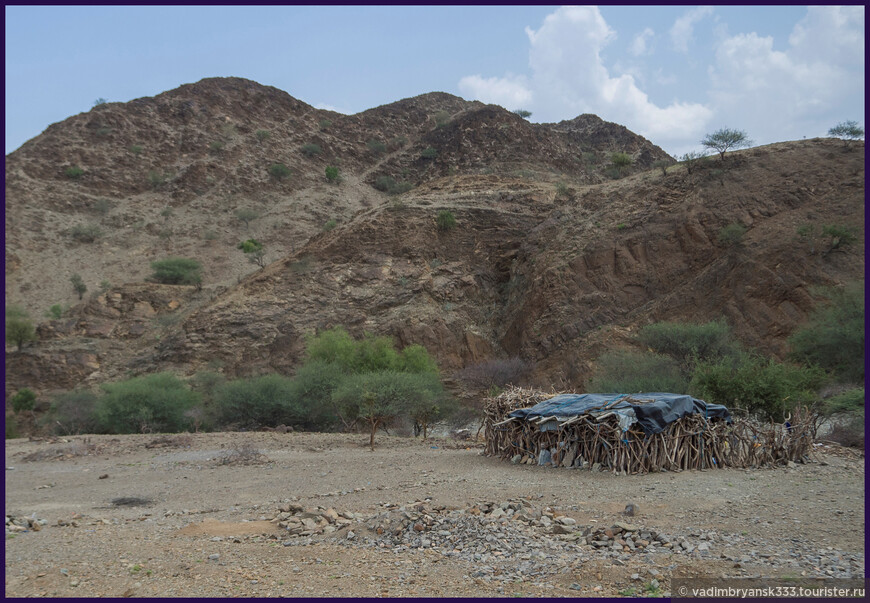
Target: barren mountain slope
{"points": [[549, 260]]}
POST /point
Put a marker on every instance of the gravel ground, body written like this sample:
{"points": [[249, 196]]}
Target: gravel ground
{"points": [[268, 514]]}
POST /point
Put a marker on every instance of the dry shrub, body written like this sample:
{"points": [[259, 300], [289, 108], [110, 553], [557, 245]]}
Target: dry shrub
{"points": [[59, 453], [184, 440], [243, 454]]}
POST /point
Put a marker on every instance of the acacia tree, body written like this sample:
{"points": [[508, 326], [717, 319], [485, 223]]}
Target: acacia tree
{"points": [[848, 130], [19, 327], [78, 284], [724, 139], [255, 252]]}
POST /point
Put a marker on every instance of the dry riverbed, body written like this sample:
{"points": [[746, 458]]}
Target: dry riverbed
{"points": [[269, 514]]}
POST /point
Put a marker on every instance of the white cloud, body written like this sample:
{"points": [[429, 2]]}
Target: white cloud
{"points": [[510, 92], [640, 44], [684, 28], [795, 92]]}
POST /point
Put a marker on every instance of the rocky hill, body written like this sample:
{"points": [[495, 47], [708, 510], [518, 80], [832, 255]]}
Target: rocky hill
{"points": [[554, 256]]}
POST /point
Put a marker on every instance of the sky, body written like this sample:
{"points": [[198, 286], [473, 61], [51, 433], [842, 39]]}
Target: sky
{"points": [[670, 73]]}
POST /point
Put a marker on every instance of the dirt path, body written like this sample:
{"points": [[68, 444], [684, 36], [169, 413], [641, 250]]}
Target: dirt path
{"points": [[200, 523]]}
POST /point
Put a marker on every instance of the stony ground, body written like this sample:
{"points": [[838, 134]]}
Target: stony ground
{"points": [[268, 514]]}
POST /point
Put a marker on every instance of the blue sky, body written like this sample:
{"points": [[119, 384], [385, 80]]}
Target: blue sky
{"points": [[670, 73]]}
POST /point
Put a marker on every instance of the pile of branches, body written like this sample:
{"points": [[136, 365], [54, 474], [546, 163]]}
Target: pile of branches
{"points": [[692, 442]]}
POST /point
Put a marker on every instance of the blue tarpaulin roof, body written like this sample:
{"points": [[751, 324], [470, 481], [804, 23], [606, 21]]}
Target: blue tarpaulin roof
{"points": [[653, 411]]}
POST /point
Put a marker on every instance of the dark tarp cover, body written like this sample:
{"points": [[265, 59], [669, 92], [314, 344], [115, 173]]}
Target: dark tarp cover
{"points": [[654, 411]]}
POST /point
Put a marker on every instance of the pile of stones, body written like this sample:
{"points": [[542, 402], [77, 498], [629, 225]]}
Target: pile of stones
{"points": [[301, 522], [24, 524]]}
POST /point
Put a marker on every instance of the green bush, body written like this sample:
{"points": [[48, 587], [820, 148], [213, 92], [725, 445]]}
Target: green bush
{"points": [[523, 113], [216, 147], [442, 118], [833, 337], [841, 236], [102, 206], [389, 185], [311, 149], [663, 165], [23, 400], [146, 404], [724, 139], [324, 124], [255, 252], [848, 402], [136, 149], [376, 146], [177, 271], [621, 161], [55, 312], [445, 220], [11, 428], [74, 412], [332, 174], [312, 387], [256, 402], [19, 327], [262, 135], [732, 235], [330, 224], [85, 233], [627, 372], [850, 130], [689, 342], [756, 384], [279, 171], [74, 172], [247, 215], [78, 285], [157, 179], [562, 190], [429, 153], [693, 160]]}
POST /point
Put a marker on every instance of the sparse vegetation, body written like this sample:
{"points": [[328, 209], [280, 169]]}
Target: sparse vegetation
{"points": [[332, 174], [177, 271], [693, 160], [833, 337], [732, 235], [100, 101], [848, 130], [255, 252], [55, 312], [376, 146], [19, 327], [74, 412], [24, 399], [839, 236], [85, 233], [725, 139], [562, 190], [429, 153], [627, 372], [74, 172], [621, 161], [324, 124], [136, 149], [262, 135], [279, 171], [663, 165], [523, 113], [157, 180], [389, 185], [330, 224], [688, 343], [311, 149], [102, 206], [442, 118], [247, 215], [78, 285], [445, 220], [216, 147]]}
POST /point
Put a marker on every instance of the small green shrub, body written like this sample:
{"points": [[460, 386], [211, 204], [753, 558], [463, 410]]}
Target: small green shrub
{"points": [[216, 147], [78, 285], [663, 165], [19, 327], [85, 233], [613, 172], [262, 135], [523, 113], [621, 161], [693, 160], [429, 153], [177, 271], [104, 286], [756, 384], [102, 206], [100, 101], [279, 171], [389, 185], [562, 190], [136, 149], [376, 146], [332, 174], [442, 118], [74, 412], [55, 312], [445, 220], [634, 372], [11, 433], [247, 215], [23, 400], [732, 235], [157, 180], [210, 235], [74, 172], [325, 124], [255, 252], [311, 149], [330, 225], [146, 404], [850, 401], [840, 236], [833, 337]]}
